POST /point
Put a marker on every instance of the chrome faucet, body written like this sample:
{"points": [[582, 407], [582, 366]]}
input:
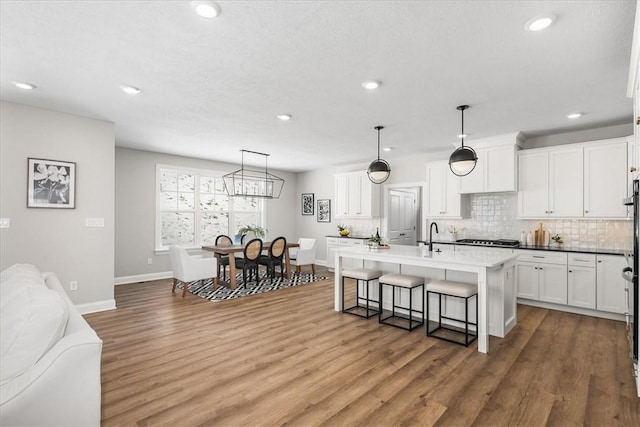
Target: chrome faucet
{"points": [[431, 235]]}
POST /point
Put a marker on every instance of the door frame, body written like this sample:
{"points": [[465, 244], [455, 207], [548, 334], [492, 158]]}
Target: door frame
{"points": [[421, 188]]}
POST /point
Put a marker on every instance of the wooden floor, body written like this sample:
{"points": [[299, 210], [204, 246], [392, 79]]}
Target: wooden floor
{"points": [[287, 358]]}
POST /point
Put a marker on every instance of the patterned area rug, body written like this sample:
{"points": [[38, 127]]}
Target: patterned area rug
{"points": [[205, 289]]}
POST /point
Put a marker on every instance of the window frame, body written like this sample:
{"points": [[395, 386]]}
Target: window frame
{"points": [[198, 173]]}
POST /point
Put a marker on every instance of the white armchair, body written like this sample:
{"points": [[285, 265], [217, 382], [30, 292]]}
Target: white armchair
{"points": [[304, 255], [187, 268]]}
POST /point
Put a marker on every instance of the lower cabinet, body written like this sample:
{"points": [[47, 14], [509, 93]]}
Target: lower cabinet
{"points": [[581, 280], [610, 286], [334, 243], [542, 276]]}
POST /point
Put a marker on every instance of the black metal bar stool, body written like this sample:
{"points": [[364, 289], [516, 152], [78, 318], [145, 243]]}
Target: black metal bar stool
{"points": [[361, 275], [448, 288], [401, 281]]}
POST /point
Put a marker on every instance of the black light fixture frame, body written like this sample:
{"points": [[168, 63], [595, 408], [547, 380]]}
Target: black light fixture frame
{"points": [[379, 165], [462, 153], [247, 182]]}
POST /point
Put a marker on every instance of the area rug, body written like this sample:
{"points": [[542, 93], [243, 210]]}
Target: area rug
{"points": [[205, 289]]}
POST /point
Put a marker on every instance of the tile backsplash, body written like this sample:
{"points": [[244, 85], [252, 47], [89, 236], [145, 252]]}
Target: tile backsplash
{"points": [[494, 216]]}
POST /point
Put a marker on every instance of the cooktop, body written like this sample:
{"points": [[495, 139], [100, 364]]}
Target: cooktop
{"points": [[505, 243]]}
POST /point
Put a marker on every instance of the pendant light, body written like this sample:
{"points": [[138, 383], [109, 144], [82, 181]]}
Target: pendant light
{"points": [[379, 169], [247, 182], [464, 159]]}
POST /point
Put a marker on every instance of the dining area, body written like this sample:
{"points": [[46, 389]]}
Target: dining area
{"points": [[244, 264]]}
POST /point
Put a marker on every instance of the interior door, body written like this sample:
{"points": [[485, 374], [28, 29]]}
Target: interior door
{"points": [[403, 213]]}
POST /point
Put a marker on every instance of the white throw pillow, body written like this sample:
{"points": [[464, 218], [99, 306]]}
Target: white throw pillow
{"points": [[32, 321], [17, 277]]}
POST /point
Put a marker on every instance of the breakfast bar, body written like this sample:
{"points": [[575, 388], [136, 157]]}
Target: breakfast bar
{"points": [[495, 273]]}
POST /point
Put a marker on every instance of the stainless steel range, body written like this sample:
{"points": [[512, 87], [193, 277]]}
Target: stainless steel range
{"points": [[500, 243]]}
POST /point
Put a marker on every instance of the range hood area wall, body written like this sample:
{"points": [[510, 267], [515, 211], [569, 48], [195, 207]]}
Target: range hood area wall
{"points": [[494, 216]]}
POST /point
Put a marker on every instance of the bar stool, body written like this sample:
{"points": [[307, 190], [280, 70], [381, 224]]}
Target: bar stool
{"points": [[456, 290], [360, 275], [401, 281]]}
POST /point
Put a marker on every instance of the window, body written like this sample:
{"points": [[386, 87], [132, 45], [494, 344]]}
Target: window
{"points": [[193, 208]]}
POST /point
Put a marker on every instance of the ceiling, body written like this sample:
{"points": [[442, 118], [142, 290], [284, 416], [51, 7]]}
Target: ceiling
{"points": [[213, 87]]}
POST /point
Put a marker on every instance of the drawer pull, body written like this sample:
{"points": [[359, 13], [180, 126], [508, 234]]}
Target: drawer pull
{"points": [[581, 260], [538, 256]]}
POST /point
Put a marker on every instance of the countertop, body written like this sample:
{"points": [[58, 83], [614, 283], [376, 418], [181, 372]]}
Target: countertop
{"points": [[349, 237], [562, 248]]}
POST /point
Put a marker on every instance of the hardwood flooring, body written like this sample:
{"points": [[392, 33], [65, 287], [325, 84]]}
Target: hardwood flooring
{"points": [[287, 358]]}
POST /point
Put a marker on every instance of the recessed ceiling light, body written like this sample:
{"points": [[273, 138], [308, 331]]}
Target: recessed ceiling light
{"points": [[387, 148], [206, 9], [24, 85], [130, 90], [284, 117], [539, 23], [462, 135], [371, 84], [574, 115]]}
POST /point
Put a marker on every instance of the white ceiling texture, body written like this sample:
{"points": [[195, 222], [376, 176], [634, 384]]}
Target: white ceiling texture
{"points": [[212, 87]]}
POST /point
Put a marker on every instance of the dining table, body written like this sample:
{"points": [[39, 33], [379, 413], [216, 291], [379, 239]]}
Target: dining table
{"points": [[231, 250]]}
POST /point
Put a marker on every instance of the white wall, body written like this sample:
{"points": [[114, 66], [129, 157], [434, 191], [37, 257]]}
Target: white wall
{"points": [[135, 175], [56, 239]]}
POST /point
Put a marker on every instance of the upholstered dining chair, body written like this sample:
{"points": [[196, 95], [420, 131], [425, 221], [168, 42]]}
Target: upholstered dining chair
{"points": [[223, 260], [187, 268], [303, 255], [249, 263], [275, 258]]}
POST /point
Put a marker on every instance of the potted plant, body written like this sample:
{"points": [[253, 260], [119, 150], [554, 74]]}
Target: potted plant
{"points": [[344, 232], [557, 240], [255, 229]]}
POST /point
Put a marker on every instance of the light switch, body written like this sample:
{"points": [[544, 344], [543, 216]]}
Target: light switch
{"points": [[5, 222], [94, 222]]}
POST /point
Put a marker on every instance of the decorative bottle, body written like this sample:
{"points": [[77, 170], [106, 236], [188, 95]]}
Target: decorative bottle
{"points": [[523, 238]]}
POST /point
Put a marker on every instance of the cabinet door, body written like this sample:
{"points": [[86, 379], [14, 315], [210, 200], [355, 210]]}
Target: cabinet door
{"points": [[366, 200], [581, 282], [605, 178], [354, 189], [610, 286], [527, 276], [500, 170], [533, 184], [566, 182], [332, 245], [452, 193], [341, 209], [436, 183], [553, 283]]}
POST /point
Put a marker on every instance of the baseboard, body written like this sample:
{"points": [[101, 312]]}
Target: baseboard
{"points": [[94, 307], [143, 277], [574, 310]]}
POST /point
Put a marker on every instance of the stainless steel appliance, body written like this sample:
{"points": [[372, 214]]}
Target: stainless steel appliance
{"points": [[630, 273], [501, 243]]}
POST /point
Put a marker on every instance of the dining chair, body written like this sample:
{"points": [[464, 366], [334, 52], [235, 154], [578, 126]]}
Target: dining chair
{"points": [[187, 268], [275, 257], [223, 260], [249, 263], [305, 254]]}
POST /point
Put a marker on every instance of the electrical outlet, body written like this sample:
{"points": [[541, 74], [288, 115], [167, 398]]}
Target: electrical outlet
{"points": [[73, 285], [149, 261]]}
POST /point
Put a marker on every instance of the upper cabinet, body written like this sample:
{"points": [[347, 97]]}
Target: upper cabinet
{"points": [[356, 196], [443, 200], [587, 180], [495, 170]]}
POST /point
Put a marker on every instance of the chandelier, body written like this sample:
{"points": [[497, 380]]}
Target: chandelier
{"points": [[246, 182]]}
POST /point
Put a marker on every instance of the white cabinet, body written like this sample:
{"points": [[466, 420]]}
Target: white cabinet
{"points": [[495, 170], [605, 179], [542, 276], [550, 183], [334, 243], [610, 286], [356, 196], [443, 199], [582, 280]]}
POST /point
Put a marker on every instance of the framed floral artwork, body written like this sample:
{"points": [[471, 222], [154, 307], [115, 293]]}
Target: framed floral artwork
{"points": [[51, 184], [324, 210], [307, 203]]}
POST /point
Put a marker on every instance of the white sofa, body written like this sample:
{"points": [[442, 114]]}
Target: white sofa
{"points": [[50, 356]]}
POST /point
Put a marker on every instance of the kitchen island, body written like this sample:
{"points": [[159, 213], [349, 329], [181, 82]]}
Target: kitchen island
{"points": [[495, 279]]}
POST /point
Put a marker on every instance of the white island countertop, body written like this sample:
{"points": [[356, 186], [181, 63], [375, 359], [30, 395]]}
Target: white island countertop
{"points": [[480, 262]]}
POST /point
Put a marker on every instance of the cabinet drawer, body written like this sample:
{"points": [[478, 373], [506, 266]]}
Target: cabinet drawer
{"points": [[585, 260], [542, 256], [352, 242]]}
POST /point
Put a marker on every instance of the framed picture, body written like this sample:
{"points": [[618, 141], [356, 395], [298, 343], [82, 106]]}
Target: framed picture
{"points": [[51, 184], [324, 210], [307, 203]]}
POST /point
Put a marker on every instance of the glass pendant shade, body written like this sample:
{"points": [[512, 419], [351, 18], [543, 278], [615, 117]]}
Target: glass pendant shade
{"points": [[379, 170], [463, 160]]}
